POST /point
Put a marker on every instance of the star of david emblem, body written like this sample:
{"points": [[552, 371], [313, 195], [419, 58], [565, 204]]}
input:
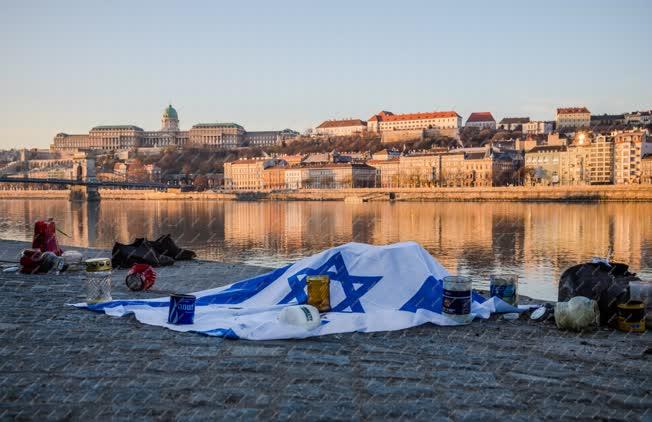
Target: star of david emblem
{"points": [[353, 286]]}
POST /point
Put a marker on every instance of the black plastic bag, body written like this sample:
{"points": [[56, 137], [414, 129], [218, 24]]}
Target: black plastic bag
{"points": [[605, 283]]}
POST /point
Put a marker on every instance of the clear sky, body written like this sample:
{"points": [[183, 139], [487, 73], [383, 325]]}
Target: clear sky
{"points": [[67, 66]]}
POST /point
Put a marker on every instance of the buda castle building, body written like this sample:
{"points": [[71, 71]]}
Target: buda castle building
{"points": [[204, 135]]}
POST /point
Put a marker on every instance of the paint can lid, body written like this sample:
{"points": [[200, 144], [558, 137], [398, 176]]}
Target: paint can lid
{"points": [[317, 278], [539, 314], [182, 296]]}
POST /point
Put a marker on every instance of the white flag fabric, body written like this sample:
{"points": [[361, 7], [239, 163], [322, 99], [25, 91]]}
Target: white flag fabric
{"points": [[372, 288]]}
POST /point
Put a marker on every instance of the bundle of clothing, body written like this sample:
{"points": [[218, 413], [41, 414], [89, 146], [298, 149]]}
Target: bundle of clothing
{"points": [[160, 252]]}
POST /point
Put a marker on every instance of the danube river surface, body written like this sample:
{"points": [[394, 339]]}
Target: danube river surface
{"points": [[537, 241]]}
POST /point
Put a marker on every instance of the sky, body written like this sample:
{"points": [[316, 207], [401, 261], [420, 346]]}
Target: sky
{"points": [[66, 66]]}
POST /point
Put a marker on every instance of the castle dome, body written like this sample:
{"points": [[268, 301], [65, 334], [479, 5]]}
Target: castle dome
{"points": [[170, 113]]}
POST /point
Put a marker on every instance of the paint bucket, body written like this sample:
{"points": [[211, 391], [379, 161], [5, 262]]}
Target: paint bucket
{"points": [[642, 290], [456, 303], [305, 316], [631, 317], [319, 293], [182, 309], [504, 287], [578, 314]]}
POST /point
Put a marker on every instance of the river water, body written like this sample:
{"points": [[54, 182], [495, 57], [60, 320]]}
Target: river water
{"points": [[537, 241]]}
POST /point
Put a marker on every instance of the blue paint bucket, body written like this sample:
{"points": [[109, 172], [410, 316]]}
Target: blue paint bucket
{"points": [[182, 309]]}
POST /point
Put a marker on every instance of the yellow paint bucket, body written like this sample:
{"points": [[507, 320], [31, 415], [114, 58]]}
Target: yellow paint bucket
{"points": [[631, 317]]}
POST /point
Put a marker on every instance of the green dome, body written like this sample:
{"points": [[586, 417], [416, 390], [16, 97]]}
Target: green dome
{"points": [[170, 113]]}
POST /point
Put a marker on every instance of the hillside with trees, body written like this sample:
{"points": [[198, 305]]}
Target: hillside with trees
{"points": [[201, 161]]}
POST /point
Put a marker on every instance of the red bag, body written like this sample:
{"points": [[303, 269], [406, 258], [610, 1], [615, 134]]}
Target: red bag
{"points": [[45, 237], [30, 261]]}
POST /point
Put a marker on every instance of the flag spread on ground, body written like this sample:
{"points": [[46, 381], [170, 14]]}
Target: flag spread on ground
{"points": [[372, 288]]}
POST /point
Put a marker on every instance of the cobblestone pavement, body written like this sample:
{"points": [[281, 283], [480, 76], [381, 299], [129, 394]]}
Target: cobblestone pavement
{"points": [[57, 362]]}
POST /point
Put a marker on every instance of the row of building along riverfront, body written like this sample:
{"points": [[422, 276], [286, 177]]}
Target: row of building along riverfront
{"points": [[401, 127], [390, 126], [623, 157]]}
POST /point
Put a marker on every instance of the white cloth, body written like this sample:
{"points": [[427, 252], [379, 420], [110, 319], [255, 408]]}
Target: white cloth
{"points": [[372, 288]]}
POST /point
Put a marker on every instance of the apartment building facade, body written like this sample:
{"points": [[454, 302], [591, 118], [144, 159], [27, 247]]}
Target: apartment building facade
{"points": [[646, 169], [345, 127], [629, 149], [537, 127], [388, 121], [513, 123], [569, 118]]}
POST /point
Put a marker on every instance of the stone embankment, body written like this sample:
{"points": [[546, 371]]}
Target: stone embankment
{"points": [[624, 193], [61, 363], [34, 194]]}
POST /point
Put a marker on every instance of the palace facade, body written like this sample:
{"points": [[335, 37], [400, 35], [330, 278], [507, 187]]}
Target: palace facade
{"points": [[208, 135]]}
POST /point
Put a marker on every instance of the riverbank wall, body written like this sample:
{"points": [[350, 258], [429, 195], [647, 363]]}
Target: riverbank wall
{"points": [[628, 193]]}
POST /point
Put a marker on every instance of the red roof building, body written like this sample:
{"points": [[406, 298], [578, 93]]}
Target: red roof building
{"points": [[573, 118], [482, 120], [386, 120], [573, 110]]}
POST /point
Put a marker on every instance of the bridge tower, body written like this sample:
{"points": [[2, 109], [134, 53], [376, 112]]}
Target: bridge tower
{"points": [[83, 170]]}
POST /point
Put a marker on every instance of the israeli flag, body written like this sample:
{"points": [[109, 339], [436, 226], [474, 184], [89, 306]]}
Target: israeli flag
{"points": [[372, 288]]}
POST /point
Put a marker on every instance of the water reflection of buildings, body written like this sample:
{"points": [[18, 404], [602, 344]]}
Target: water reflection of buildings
{"points": [[537, 241], [79, 221], [286, 227], [570, 232], [84, 222]]}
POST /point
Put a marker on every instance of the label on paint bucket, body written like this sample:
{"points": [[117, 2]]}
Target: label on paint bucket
{"points": [[182, 309], [457, 302], [308, 314], [505, 292]]}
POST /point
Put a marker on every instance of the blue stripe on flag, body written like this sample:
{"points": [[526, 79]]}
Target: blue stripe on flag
{"points": [[427, 297], [477, 297], [221, 332], [237, 293], [242, 290], [115, 303]]}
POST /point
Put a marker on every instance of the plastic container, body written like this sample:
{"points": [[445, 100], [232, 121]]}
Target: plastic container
{"points": [[53, 263], [97, 279], [73, 260], [578, 314], [505, 287], [306, 316], [642, 290], [456, 303]]}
